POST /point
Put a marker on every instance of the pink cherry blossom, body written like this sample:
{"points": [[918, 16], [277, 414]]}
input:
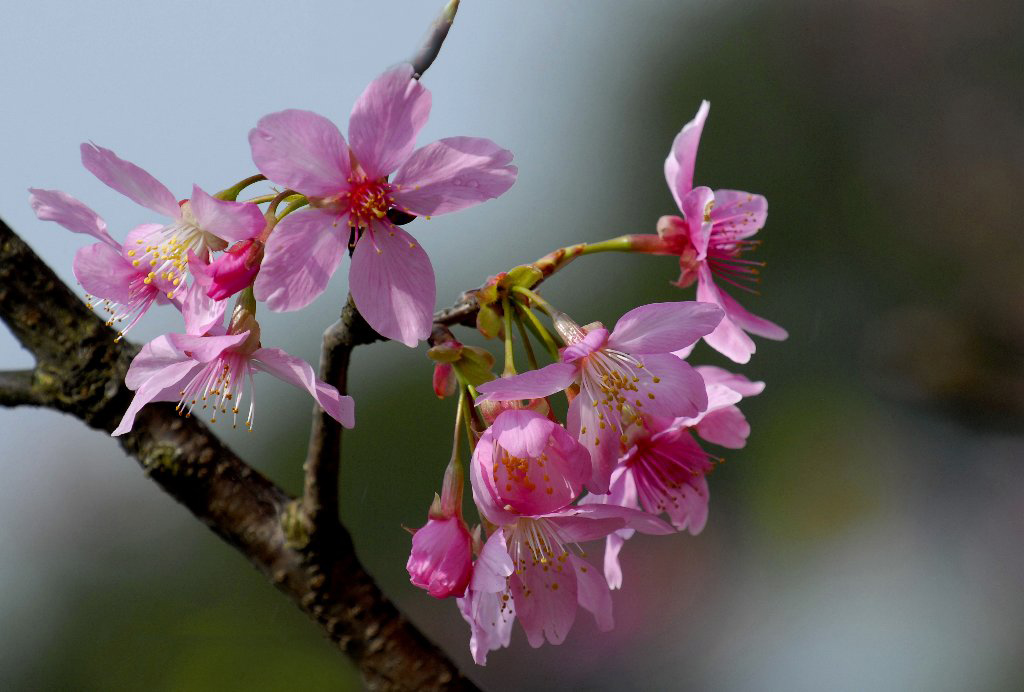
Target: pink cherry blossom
{"points": [[200, 224], [441, 561], [231, 272], [710, 240], [622, 375], [214, 372], [391, 279], [105, 269]]}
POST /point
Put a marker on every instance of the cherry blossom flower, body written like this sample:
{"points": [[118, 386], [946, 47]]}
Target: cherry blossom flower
{"points": [[391, 279], [441, 560], [213, 372], [526, 470], [199, 225], [229, 273], [622, 375], [105, 269], [710, 240]]}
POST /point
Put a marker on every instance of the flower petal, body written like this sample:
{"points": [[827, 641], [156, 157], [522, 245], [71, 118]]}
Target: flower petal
{"points": [[54, 205], [302, 151], [612, 566], [592, 592], [490, 618], [201, 312], [386, 119], [529, 385], [493, 565], [161, 386], [726, 426], [392, 284], [664, 327], [452, 174], [545, 602], [697, 207], [674, 390], [728, 339], [597, 437], [299, 373], [130, 180], [230, 221], [104, 273], [738, 214], [736, 382], [302, 253], [681, 159], [750, 322], [205, 348], [153, 357]]}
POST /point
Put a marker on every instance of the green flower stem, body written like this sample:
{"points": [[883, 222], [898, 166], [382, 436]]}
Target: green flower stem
{"points": [[510, 366], [262, 199], [544, 305], [527, 346], [231, 194], [540, 331], [553, 261], [298, 202]]}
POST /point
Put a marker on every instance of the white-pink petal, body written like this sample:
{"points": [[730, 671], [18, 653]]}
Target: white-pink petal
{"points": [[205, 348], [153, 357], [728, 339], [299, 373], [62, 208], [201, 312], [529, 385], [104, 273], [162, 385], [664, 327], [302, 254], [130, 180], [385, 120], [452, 174], [230, 221], [726, 426], [683, 155], [302, 151], [737, 214], [592, 592], [392, 284]]}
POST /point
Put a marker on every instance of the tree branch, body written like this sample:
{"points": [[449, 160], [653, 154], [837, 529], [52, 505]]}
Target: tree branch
{"points": [[17, 388], [80, 370]]}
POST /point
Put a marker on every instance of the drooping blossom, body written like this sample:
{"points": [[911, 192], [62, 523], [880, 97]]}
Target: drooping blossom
{"points": [[214, 373], [441, 559], [710, 239], [230, 273], [664, 470], [622, 375], [391, 279], [526, 471], [201, 224], [105, 269]]}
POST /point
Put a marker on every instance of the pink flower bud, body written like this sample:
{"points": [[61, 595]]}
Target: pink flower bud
{"points": [[441, 558], [232, 271], [444, 380]]}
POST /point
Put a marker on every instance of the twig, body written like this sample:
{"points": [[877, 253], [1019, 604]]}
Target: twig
{"points": [[17, 388]]}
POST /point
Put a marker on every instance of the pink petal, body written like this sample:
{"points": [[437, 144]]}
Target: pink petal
{"points": [[104, 273], [299, 373], [696, 207], [54, 205], [728, 339], [590, 522], [302, 253], [681, 159], [386, 119], [679, 392], [230, 221], [152, 358], [594, 339], [205, 348], [583, 423], [302, 151], [523, 433], [392, 284], [490, 619], [612, 566], [738, 383], [201, 312], [529, 385], [727, 427], [545, 602], [452, 174], [493, 565], [664, 327], [592, 592], [749, 322], [738, 214], [161, 385], [130, 180]]}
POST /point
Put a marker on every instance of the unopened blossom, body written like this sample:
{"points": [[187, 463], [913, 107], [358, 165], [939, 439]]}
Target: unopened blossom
{"points": [[710, 239], [213, 374], [105, 269], [391, 279], [201, 224], [441, 558], [622, 375], [230, 273], [526, 472]]}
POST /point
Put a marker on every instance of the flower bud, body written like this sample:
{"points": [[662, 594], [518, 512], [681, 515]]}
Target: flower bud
{"points": [[233, 271]]}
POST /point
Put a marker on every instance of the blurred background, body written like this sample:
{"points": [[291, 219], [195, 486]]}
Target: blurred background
{"points": [[869, 535]]}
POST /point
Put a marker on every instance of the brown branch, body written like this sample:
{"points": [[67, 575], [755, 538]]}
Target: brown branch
{"points": [[17, 388], [80, 371]]}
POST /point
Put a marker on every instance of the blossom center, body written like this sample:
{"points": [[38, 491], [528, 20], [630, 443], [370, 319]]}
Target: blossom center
{"points": [[219, 386], [166, 250], [367, 201], [535, 542]]}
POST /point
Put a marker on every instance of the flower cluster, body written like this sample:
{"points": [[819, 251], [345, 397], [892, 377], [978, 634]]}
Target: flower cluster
{"points": [[213, 247], [627, 457]]}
